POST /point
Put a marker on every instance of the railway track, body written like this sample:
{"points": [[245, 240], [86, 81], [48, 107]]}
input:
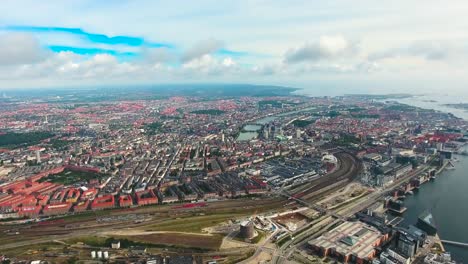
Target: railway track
{"points": [[350, 166]]}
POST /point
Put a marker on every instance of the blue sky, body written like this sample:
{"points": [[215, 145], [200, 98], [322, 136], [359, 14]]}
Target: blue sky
{"points": [[299, 42], [92, 37]]}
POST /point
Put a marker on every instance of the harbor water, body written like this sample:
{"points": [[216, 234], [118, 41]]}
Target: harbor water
{"points": [[447, 199]]}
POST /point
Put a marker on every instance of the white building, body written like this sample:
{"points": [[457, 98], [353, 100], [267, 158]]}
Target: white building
{"points": [[444, 258]]}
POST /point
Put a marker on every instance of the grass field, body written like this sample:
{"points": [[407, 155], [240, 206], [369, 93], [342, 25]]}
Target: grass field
{"points": [[166, 239], [192, 224], [192, 241], [195, 223], [237, 259], [259, 237], [208, 112], [302, 123], [15, 140], [32, 250], [94, 241]]}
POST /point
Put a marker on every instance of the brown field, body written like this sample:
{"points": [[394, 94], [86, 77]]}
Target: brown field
{"points": [[212, 242], [298, 219], [293, 218]]}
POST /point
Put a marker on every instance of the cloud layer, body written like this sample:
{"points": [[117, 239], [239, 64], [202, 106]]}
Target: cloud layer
{"points": [[19, 48], [202, 48], [327, 47], [299, 42]]}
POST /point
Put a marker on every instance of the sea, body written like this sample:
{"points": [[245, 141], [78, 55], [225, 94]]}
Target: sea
{"points": [[446, 197]]}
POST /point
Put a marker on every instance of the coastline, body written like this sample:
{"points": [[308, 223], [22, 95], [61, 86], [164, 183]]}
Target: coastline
{"points": [[446, 108], [423, 101], [436, 239]]}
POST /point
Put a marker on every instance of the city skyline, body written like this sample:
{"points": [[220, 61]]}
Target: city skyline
{"points": [[304, 44]]}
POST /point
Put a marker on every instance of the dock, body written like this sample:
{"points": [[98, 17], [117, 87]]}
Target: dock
{"points": [[454, 243]]}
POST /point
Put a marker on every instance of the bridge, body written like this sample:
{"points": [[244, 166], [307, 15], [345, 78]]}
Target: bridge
{"points": [[454, 243]]}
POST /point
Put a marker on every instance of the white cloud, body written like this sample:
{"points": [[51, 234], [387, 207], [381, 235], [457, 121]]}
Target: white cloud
{"points": [[201, 49], [158, 55], [20, 48], [69, 66], [228, 62], [327, 47], [269, 69], [208, 65], [64, 67], [429, 50], [202, 63]]}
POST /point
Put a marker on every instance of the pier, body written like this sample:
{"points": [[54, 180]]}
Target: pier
{"points": [[455, 243]]}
